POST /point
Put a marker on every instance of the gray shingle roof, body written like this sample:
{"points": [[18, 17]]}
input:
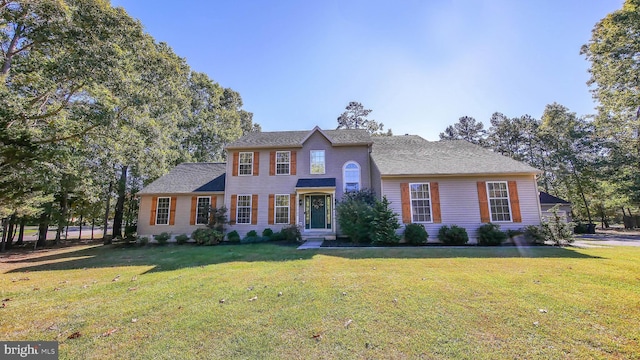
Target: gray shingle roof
{"points": [[188, 178], [296, 138], [546, 198], [413, 155]]}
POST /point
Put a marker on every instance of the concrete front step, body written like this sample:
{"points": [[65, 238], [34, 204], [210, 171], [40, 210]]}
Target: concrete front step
{"points": [[324, 236]]}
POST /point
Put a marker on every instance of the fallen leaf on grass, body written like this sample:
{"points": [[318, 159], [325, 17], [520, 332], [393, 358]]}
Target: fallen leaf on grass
{"points": [[134, 278], [544, 311], [280, 293], [348, 323], [117, 278], [7, 299], [53, 327], [132, 288], [108, 333], [75, 335], [36, 288], [3, 305], [134, 320], [56, 289], [221, 301], [254, 298], [317, 337]]}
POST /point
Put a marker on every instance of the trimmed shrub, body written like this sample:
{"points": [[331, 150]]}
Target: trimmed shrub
{"points": [[534, 235], [513, 233], [291, 233], [267, 233], [162, 238], [453, 235], [490, 235], [207, 236], [142, 240], [233, 237], [415, 234], [252, 233], [182, 239], [355, 214], [278, 236], [384, 224]]}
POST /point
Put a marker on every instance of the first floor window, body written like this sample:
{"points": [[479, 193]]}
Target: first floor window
{"points": [[420, 203], [245, 164], [282, 209], [202, 211], [162, 211], [243, 215], [498, 194]]}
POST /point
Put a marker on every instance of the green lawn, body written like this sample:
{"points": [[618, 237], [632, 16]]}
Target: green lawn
{"points": [[473, 303]]}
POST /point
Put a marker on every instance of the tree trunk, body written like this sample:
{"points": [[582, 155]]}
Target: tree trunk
{"points": [[80, 228], [93, 225], [64, 208], [10, 232], [5, 225], [43, 228], [20, 241], [119, 212], [106, 239], [580, 189]]}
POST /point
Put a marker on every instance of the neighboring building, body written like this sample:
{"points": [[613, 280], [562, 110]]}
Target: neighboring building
{"points": [[276, 179], [548, 201]]}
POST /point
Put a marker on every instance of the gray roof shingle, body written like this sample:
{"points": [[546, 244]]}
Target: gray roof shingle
{"points": [[296, 138], [188, 178], [413, 155]]}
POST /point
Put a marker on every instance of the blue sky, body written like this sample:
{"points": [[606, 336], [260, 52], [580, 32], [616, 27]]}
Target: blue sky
{"points": [[419, 65]]}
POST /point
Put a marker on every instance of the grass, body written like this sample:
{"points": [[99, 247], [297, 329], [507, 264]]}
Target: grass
{"points": [[467, 303]]}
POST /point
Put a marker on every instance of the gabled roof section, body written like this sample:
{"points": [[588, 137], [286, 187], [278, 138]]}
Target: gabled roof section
{"points": [[189, 178], [412, 155], [296, 139], [546, 198]]}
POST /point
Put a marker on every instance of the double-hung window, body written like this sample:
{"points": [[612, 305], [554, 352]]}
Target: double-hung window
{"points": [[420, 202], [202, 210], [282, 209], [317, 161], [245, 163], [162, 211], [499, 205], [283, 162], [243, 215]]}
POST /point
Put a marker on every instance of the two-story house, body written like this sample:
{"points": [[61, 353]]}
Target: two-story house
{"points": [[277, 179]]}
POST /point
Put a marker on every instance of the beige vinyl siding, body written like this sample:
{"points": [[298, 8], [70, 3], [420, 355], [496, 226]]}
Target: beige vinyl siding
{"points": [[182, 216], [459, 201]]}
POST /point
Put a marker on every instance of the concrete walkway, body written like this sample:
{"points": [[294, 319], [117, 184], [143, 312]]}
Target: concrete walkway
{"points": [[311, 244], [604, 240]]}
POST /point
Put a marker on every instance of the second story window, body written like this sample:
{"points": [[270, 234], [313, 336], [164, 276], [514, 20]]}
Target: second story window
{"points": [[283, 162], [245, 163], [351, 177], [317, 162]]}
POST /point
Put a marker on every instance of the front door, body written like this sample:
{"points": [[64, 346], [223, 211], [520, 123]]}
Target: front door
{"points": [[318, 213]]}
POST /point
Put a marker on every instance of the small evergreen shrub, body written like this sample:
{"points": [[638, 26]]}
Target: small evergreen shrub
{"points": [[233, 237], [252, 233], [513, 233], [182, 239], [534, 235], [453, 235], [384, 224], [207, 236], [267, 233], [278, 236], [356, 213], [557, 229], [490, 235], [415, 234], [292, 233], [162, 238], [142, 240]]}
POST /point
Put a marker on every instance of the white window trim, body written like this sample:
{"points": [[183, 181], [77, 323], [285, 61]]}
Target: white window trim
{"points": [[275, 207], [344, 177], [506, 184], [168, 210], [238, 208], [430, 202], [198, 208], [324, 165], [289, 163], [240, 163]]}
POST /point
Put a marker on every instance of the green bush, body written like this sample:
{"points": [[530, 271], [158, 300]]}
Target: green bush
{"points": [[252, 233], [534, 235], [513, 233], [182, 239], [142, 240], [415, 234], [453, 235], [291, 233], [162, 238], [207, 236], [267, 233], [355, 213], [278, 236], [253, 239], [490, 235], [384, 224], [557, 229], [233, 237]]}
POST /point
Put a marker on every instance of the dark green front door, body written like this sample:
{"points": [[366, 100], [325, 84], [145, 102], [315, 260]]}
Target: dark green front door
{"points": [[318, 213]]}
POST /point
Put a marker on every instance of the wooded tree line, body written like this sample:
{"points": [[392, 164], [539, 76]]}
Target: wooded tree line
{"points": [[91, 109], [591, 160]]}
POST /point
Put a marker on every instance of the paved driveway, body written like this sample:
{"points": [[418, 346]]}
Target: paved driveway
{"points": [[616, 239]]}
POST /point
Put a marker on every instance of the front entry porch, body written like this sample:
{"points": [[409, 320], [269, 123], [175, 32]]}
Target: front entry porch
{"points": [[317, 198]]}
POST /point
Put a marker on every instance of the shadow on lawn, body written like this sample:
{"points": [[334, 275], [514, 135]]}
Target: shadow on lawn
{"points": [[172, 257]]}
